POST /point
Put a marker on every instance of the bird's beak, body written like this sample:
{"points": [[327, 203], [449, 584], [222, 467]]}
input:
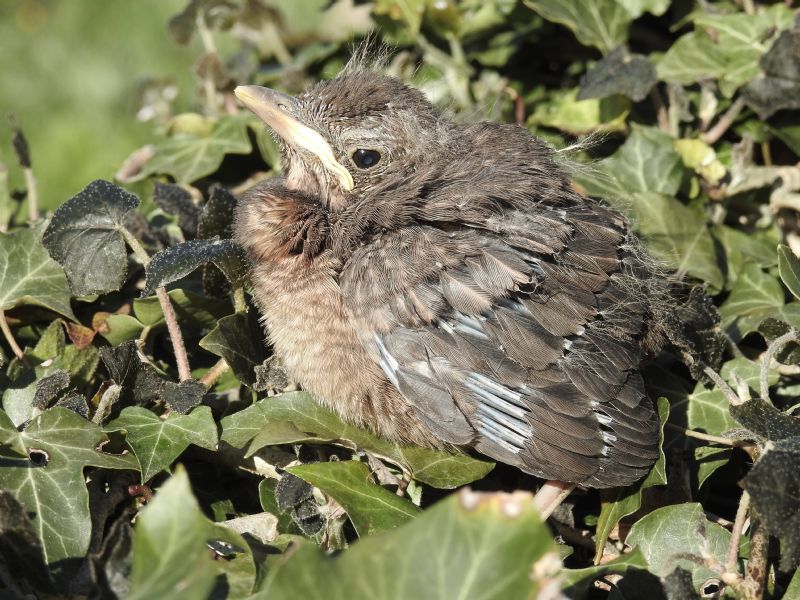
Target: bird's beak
{"points": [[277, 110]]}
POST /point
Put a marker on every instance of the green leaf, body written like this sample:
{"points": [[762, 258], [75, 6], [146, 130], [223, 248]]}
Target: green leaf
{"points": [[466, 546], [619, 72], [175, 200], [28, 276], [84, 237], [774, 486], [576, 583], [49, 480], [170, 556], [667, 535], [637, 8], [157, 442], [370, 507], [730, 55], [756, 296], [178, 261], [709, 411], [295, 417], [239, 340], [766, 421], [599, 23], [621, 502], [789, 269], [567, 113], [646, 162], [21, 548], [189, 156]]}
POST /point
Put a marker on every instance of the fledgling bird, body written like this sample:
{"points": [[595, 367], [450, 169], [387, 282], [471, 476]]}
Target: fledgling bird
{"points": [[444, 285]]}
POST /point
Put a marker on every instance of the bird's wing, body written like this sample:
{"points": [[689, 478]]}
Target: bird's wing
{"points": [[522, 344]]}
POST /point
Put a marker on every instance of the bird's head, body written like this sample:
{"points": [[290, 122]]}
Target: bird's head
{"points": [[346, 137]]}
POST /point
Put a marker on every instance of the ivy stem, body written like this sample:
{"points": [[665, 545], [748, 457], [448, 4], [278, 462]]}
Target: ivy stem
{"points": [[214, 373], [722, 385], [239, 303], [724, 123], [731, 564], [766, 360], [757, 565], [33, 194], [11, 341], [210, 48], [707, 437], [178, 347]]}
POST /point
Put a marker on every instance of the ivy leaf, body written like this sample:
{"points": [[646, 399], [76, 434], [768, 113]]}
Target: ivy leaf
{"points": [[599, 23], [619, 72], [84, 237], [216, 218], [486, 534], [178, 261], [709, 411], [789, 270], [189, 156], [170, 556], [48, 481], [295, 418], [621, 502], [175, 200], [157, 442], [28, 276], [21, 548], [729, 55], [370, 507], [140, 382], [774, 486], [669, 535], [756, 296], [192, 310], [239, 340], [646, 162], [578, 582], [569, 113], [766, 421]]}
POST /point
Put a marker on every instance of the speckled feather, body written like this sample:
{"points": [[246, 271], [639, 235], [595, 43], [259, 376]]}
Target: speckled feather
{"points": [[463, 294]]}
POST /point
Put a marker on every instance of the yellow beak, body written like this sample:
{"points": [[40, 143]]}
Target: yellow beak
{"points": [[277, 110]]}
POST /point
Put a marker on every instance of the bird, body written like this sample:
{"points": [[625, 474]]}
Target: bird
{"points": [[444, 284]]}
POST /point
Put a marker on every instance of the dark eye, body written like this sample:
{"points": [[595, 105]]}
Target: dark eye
{"points": [[366, 159]]}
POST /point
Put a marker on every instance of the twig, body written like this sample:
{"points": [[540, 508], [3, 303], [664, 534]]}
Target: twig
{"points": [[766, 360], [33, 194], [724, 123], [661, 111], [707, 437], [11, 341], [239, 303], [210, 48], [214, 373], [732, 563], [178, 347], [108, 398], [723, 386], [757, 564]]}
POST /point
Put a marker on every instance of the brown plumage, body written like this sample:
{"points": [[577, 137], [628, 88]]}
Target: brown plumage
{"points": [[444, 285]]}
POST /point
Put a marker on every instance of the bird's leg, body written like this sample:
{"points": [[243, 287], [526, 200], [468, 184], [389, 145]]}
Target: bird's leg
{"points": [[550, 495]]}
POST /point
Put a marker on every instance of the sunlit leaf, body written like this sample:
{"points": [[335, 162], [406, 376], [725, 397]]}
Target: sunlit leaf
{"points": [[599, 23], [84, 237], [28, 276], [295, 417], [370, 507], [466, 546], [157, 442], [48, 481]]}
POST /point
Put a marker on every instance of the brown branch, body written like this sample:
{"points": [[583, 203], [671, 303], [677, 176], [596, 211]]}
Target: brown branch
{"points": [[757, 564], [724, 123], [214, 373], [723, 386], [707, 437], [732, 562], [11, 341]]}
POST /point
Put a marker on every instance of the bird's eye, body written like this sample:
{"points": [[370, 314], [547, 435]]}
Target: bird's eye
{"points": [[366, 159]]}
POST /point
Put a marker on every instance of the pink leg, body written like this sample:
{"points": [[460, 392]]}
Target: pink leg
{"points": [[550, 495]]}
